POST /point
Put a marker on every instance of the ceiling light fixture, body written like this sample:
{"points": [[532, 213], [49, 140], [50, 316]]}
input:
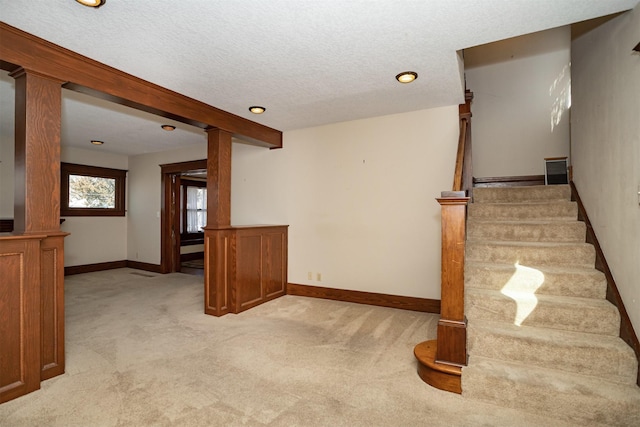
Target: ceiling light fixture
{"points": [[407, 76], [168, 128], [256, 109], [96, 142], [92, 3]]}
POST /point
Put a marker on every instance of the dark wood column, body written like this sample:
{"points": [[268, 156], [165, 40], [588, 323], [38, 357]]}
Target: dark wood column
{"points": [[37, 153], [218, 237], [38, 101], [218, 178], [452, 326]]}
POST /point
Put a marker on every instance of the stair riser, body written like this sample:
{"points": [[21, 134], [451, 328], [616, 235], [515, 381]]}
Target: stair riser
{"points": [[585, 285], [521, 194], [524, 211], [611, 364], [560, 232], [579, 255], [588, 319]]}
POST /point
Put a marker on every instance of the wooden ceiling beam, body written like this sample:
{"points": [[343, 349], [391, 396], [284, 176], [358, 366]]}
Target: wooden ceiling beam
{"points": [[82, 74]]}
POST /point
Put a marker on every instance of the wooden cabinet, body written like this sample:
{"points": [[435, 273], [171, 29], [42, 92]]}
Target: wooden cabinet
{"points": [[244, 267]]}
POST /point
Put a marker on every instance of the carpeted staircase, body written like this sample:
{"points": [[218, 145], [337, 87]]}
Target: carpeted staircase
{"points": [[541, 335]]}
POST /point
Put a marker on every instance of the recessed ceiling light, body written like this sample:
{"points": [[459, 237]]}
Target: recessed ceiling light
{"points": [[96, 142], [407, 76], [256, 109], [168, 127], [92, 3]]}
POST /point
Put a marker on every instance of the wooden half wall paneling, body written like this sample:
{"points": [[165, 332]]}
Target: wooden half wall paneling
{"points": [[382, 300], [20, 321], [244, 267]]}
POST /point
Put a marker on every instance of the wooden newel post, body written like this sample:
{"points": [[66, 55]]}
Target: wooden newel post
{"points": [[452, 326]]}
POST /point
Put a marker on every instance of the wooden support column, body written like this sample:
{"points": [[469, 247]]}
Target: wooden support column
{"points": [[37, 153], [38, 100], [440, 361], [218, 178], [452, 326], [217, 234]]}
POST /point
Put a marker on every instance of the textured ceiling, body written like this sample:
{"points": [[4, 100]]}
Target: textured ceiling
{"points": [[309, 62]]}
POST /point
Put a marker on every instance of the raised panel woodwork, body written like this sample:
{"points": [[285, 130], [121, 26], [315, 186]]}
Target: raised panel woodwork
{"points": [[218, 268], [248, 284], [19, 316], [244, 267], [275, 252], [52, 306]]}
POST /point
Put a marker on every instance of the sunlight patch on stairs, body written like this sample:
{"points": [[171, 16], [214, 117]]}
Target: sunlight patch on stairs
{"points": [[522, 287]]}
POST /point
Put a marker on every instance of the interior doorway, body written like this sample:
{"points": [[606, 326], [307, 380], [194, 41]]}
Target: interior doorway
{"points": [[182, 240]]}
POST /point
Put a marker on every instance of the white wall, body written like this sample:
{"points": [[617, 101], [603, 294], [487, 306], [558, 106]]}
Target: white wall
{"points": [[521, 92], [359, 198], [94, 239], [145, 193], [605, 129]]}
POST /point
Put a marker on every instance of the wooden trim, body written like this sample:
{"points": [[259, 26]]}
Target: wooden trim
{"points": [[168, 247], [382, 300], [119, 175], [627, 333], [154, 268], [82, 74], [509, 181], [90, 268], [192, 256], [111, 265]]}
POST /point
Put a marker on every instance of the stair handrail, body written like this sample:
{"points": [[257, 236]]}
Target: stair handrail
{"points": [[463, 176]]}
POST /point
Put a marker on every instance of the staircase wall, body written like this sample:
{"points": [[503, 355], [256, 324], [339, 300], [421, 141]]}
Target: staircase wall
{"points": [[520, 108], [606, 145]]}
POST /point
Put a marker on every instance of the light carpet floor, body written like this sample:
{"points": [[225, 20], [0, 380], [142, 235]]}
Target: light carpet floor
{"points": [[140, 352]]}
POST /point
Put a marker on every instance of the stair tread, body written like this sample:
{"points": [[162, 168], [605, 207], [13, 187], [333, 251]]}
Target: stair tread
{"points": [[543, 311], [574, 281], [529, 244], [544, 334], [548, 299], [574, 269], [603, 356], [545, 221], [563, 382]]}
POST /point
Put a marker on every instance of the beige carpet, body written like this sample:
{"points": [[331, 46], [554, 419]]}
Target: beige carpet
{"points": [[140, 352], [542, 336]]}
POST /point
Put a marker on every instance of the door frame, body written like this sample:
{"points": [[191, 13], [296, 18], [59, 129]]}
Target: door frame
{"points": [[169, 218]]}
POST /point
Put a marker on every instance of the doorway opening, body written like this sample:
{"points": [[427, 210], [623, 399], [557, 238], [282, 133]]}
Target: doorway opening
{"points": [[182, 217]]}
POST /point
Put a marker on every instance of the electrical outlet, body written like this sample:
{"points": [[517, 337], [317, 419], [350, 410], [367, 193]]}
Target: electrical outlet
{"points": [[319, 277], [310, 276]]}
